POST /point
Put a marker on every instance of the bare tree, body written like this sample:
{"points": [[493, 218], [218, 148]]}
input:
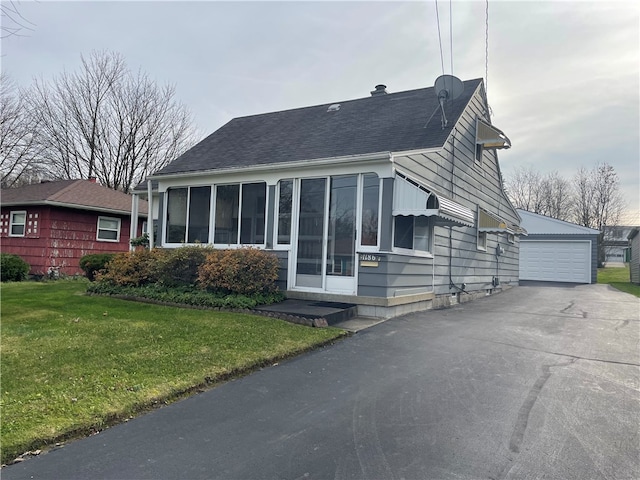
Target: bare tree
{"points": [[105, 122], [583, 208], [18, 150], [524, 189], [557, 196], [549, 195], [599, 202]]}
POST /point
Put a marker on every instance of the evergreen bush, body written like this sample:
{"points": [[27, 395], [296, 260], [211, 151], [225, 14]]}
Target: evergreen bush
{"points": [[94, 263], [13, 268]]}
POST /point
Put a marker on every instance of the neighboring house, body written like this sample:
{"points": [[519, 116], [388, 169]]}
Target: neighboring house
{"points": [[616, 244], [51, 225], [557, 251], [634, 257], [393, 202]]}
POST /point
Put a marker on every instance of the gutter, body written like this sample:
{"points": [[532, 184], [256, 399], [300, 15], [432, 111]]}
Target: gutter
{"points": [[381, 156], [72, 205]]}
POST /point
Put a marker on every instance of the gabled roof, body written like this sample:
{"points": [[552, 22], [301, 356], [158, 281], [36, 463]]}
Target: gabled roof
{"points": [[536, 224], [82, 194], [393, 122]]}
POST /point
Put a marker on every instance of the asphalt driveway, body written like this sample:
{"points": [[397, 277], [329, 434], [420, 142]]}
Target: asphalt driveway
{"points": [[537, 382]]}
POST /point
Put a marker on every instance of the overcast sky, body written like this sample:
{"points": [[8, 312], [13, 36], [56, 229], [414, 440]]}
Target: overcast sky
{"points": [[563, 77]]}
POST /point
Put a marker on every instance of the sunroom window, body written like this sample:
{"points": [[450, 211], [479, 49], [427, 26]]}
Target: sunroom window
{"points": [[370, 207], [285, 196], [413, 233], [239, 216]]}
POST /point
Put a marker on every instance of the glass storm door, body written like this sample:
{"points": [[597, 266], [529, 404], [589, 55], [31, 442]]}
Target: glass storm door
{"points": [[327, 234], [311, 228], [341, 237]]}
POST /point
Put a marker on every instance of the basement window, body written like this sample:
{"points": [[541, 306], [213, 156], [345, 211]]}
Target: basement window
{"points": [[108, 229], [17, 224]]}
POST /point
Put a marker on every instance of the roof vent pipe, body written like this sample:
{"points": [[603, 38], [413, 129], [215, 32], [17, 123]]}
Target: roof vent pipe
{"points": [[380, 90]]}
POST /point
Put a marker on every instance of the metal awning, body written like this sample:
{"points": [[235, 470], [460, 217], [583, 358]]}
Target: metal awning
{"points": [[490, 223], [413, 198], [489, 136]]}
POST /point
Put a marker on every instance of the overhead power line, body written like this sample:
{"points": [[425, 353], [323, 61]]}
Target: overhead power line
{"points": [[439, 37]]}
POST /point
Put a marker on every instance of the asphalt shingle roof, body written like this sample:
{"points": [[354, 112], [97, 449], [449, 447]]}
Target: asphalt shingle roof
{"points": [[83, 193], [382, 123]]}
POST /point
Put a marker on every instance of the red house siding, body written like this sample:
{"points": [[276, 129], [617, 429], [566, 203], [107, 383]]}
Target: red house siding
{"points": [[59, 237]]}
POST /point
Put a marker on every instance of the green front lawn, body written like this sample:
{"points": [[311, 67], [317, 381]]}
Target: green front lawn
{"points": [[618, 278], [72, 363]]}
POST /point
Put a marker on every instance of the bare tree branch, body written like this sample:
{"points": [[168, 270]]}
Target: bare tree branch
{"points": [[12, 20], [106, 122], [18, 149]]}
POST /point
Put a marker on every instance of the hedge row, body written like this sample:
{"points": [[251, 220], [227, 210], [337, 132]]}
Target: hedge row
{"points": [[245, 271]]}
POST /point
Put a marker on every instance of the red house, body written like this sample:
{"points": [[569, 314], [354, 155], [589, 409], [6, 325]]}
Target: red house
{"points": [[51, 225]]}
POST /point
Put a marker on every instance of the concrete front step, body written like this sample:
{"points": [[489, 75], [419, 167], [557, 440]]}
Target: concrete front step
{"points": [[313, 313]]}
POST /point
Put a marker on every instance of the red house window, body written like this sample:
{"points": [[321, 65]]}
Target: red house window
{"points": [[108, 229], [17, 224]]}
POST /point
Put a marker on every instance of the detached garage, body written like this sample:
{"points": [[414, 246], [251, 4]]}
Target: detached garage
{"points": [[557, 251]]}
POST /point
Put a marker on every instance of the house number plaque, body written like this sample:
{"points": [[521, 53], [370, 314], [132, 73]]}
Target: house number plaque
{"points": [[370, 260]]}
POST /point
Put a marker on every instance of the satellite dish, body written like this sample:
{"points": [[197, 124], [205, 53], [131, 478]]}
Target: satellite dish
{"points": [[447, 87]]}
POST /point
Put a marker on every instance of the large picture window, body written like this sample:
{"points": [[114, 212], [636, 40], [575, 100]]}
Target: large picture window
{"points": [[413, 233], [199, 218], [176, 215], [108, 229], [239, 216], [254, 199], [17, 224]]}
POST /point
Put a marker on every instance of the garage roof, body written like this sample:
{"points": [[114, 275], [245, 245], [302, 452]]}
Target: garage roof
{"points": [[536, 224]]}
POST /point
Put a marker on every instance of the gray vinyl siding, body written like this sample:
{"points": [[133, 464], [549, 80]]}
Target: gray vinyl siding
{"points": [[453, 172], [396, 275], [594, 247], [634, 264], [283, 260]]}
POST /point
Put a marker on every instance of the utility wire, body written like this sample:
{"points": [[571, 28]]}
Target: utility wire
{"points": [[451, 33], [439, 37], [486, 51]]}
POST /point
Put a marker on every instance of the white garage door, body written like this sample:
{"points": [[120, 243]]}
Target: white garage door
{"points": [[555, 261]]}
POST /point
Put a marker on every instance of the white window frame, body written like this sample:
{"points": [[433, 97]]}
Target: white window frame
{"points": [[412, 251], [117, 230], [360, 211], [482, 241], [12, 223], [276, 219]]}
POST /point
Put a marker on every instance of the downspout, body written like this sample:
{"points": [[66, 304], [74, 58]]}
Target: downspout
{"points": [[453, 166]]}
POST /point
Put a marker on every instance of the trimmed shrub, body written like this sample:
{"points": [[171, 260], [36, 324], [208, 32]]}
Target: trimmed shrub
{"points": [[179, 266], [245, 271], [131, 268], [13, 268], [94, 263]]}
